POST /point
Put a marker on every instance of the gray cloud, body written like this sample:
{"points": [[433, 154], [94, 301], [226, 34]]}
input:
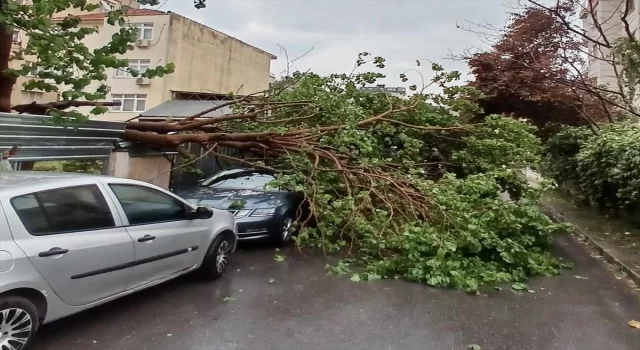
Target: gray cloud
{"points": [[399, 30]]}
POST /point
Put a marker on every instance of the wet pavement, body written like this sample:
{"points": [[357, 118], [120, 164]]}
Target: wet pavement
{"points": [[303, 308], [618, 237]]}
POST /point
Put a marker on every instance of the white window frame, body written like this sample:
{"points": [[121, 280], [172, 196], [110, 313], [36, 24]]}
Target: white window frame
{"points": [[137, 64], [35, 72], [141, 28], [122, 97], [29, 96], [15, 37]]}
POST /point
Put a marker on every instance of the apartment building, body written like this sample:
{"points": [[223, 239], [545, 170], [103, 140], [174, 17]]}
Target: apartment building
{"points": [[393, 91], [608, 16], [206, 60]]}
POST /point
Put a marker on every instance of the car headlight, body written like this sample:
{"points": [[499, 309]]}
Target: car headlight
{"points": [[242, 213], [264, 212]]}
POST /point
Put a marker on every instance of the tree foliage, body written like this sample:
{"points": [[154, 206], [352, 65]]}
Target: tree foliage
{"points": [[560, 152], [534, 71], [602, 169], [615, 51], [403, 187], [63, 62]]}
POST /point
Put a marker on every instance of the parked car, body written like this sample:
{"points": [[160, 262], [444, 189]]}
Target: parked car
{"points": [[69, 242], [261, 212]]}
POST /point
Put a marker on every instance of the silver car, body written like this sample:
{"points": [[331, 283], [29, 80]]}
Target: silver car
{"points": [[69, 242]]}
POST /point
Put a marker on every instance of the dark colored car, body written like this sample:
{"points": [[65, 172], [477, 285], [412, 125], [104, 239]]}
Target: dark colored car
{"points": [[260, 212]]}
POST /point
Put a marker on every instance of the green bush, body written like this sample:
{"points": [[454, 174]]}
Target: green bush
{"points": [[608, 168], [83, 166], [603, 170], [47, 166], [559, 160]]}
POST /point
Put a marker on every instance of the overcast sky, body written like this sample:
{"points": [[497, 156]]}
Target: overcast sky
{"points": [[399, 30]]}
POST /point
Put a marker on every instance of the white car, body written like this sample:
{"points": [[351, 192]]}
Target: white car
{"points": [[69, 242]]}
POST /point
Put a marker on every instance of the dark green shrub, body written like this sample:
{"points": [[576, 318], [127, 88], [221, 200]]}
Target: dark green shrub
{"points": [[559, 160], [609, 168], [602, 170]]}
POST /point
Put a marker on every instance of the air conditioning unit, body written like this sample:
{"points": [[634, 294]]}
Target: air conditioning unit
{"points": [[143, 81], [142, 42]]}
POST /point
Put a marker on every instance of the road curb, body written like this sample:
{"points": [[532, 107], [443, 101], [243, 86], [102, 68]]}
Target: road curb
{"points": [[585, 237]]}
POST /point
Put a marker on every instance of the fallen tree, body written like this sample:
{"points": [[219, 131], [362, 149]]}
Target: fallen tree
{"points": [[401, 187]]}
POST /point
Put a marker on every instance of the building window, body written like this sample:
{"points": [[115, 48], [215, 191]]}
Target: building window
{"points": [[593, 50], [31, 96], [129, 102], [33, 69], [107, 5], [140, 66], [143, 30], [15, 37]]}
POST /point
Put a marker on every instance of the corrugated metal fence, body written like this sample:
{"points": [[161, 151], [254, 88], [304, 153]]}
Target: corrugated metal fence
{"points": [[44, 145]]}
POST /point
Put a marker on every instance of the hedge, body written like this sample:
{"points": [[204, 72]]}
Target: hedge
{"points": [[603, 170]]}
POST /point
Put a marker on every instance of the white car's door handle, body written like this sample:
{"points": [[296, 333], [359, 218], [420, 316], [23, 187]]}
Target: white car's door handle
{"points": [[53, 251], [146, 238]]}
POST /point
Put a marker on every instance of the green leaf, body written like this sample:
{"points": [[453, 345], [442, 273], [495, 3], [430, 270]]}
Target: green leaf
{"points": [[355, 277], [279, 258], [519, 286], [474, 347], [507, 257], [237, 204], [373, 277]]}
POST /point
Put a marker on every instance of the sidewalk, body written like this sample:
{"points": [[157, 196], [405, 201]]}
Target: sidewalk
{"points": [[616, 239]]}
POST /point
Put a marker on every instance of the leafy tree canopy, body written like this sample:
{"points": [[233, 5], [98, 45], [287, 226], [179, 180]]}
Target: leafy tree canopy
{"points": [[403, 187], [534, 71], [63, 63]]}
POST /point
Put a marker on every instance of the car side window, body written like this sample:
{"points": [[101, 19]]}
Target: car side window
{"points": [[144, 205], [72, 209]]}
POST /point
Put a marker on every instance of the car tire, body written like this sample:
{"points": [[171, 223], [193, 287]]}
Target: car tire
{"points": [[216, 260], [24, 319], [284, 236]]}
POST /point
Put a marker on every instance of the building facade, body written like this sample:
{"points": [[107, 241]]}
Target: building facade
{"points": [[206, 60], [608, 21], [393, 91]]}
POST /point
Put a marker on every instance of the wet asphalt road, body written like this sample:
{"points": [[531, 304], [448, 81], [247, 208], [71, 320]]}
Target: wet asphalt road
{"points": [[306, 309]]}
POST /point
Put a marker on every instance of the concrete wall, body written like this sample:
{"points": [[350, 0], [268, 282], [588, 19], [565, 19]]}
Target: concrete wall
{"points": [[116, 3], [206, 61], [152, 169], [156, 52], [18, 94], [608, 14], [210, 61]]}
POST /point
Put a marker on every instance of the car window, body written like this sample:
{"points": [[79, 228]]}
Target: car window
{"points": [[243, 181], [65, 210], [144, 205]]}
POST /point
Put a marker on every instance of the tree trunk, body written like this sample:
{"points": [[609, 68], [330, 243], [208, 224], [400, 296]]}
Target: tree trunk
{"points": [[6, 81]]}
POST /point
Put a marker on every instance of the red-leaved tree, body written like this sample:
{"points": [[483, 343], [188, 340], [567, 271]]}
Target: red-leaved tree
{"points": [[535, 71]]}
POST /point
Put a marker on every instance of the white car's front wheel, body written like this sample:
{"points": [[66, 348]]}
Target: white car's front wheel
{"points": [[216, 260], [18, 322]]}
